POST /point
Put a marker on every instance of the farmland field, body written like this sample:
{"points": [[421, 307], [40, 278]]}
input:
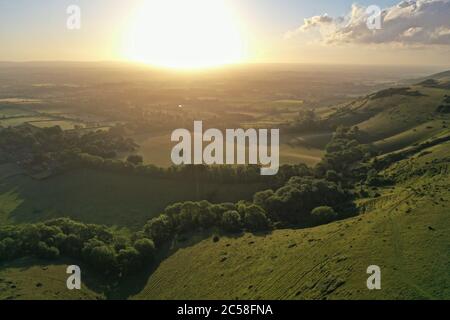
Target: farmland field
{"points": [[105, 198]]}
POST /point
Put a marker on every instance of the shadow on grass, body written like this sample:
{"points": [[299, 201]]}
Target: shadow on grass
{"points": [[130, 286]]}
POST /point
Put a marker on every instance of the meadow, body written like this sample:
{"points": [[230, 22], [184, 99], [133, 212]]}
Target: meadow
{"points": [[114, 199]]}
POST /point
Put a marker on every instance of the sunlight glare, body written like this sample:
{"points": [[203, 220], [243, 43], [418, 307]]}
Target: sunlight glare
{"points": [[184, 34]]}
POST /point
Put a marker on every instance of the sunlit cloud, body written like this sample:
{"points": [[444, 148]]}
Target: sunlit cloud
{"points": [[415, 23]]}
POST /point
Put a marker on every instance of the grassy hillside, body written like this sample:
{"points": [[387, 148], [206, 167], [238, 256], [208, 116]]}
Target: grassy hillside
{"points": [[30, 279], [395, 118], [405, 232], [104, 198], [403, 228]]}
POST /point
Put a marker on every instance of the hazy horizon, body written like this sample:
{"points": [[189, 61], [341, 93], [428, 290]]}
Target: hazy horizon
{"points": [[204, 34]]}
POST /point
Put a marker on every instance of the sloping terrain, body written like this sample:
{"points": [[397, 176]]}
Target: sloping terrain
{"points": [[30, 279], [102, 197], [405, 231], [398, 117], [404, 228]]}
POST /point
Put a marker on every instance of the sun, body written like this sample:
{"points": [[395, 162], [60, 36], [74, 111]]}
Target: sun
{"points": [[184, 34]]}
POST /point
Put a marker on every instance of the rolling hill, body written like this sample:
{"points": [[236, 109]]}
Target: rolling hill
{"points": [[403, 227], [404, 231]]}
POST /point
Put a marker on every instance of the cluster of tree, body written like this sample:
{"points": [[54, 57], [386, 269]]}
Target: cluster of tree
{"points": [[385, 161], [95, 245], [308, 121], [188, 217], [404, 91], [345, 151], [293, 203], [301, 201], [52, 146], [445, 106], [204, 173], [300, 196]]}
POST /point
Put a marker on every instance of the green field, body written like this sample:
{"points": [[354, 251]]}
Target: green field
{"points": [[30, 279], [307, 149], [105, 198], [404, 232]]}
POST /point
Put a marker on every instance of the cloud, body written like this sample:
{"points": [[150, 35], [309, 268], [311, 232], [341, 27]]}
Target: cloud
{"points": [[415, 22]]}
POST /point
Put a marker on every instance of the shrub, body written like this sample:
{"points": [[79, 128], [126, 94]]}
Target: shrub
{"points": [[255, 218], [159, 229], [332, 176], [145, 247], [231, 221], [46, 252], [324, 214], [135, 159], [129, 260], [99, 255]]}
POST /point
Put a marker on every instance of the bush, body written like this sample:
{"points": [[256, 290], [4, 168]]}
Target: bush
{"points": [[135, 159], [159, 229], [99, 255], [145, 247], [8, 249], [46, 252], [129, 260], [255, 218], [231, 221], [332, 176], [324, 214]]}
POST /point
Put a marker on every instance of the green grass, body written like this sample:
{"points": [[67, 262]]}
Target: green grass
{"points": [[405, 232], [105, 198], [408, 137], [6, 112], [30, 279], [395, 117], [156, 149], [63, 124], [12, 122]]}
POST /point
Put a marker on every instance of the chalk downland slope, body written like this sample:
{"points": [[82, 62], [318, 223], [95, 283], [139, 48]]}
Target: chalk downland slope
{"points": [[405, 231]]}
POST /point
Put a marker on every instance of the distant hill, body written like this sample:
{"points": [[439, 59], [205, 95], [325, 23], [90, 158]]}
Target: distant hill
{"points": [[396, 117], [441, 76]]}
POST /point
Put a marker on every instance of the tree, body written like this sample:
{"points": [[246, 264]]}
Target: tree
{"points": [[129, 260], [332, 176], [46, 252], [231, 221], [255, 218], [99, 255], [261, 198], [323, 215], [146, 248], [160, 229], [135, 159]]}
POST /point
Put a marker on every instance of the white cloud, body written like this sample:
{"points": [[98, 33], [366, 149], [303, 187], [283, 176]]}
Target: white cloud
{"points": [[415, 22]]}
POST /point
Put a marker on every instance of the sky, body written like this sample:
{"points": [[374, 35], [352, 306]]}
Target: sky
{"points": [[197, 32]]}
